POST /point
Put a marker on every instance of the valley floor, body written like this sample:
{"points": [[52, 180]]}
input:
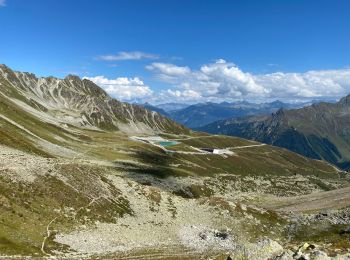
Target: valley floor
{"points": [[156, 218]]}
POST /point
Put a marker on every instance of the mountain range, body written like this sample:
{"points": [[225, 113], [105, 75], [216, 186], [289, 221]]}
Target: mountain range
{"points": [[172, 106], [201, 114], [319, 131], [85, 176]]}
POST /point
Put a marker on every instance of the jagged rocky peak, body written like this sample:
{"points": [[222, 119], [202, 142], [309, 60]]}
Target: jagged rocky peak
{"points": [[67, 86], [280, 113], [6, 71], [3, 67], [345, 101], [94, 89], [79, 102], [85, 85], [73, 77]]}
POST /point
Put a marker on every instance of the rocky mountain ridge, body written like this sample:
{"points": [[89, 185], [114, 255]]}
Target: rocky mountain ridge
{"points": [[319, 131], [79, 102], [201, 114]]}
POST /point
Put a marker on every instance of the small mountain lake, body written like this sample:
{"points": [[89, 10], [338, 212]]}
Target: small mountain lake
{"points": [[167, 143]]}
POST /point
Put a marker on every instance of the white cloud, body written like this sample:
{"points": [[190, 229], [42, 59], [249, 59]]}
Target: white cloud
{"points": [[2, 3], [168, 69], [133, 55], [128, 89], [177, 95], [311, 84], [223, 80]]}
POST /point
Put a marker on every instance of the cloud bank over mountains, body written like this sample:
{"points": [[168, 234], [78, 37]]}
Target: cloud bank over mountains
{"points": [[225, 81], [126, 89]]}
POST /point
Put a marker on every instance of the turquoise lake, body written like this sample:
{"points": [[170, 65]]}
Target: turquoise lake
{"points": [[167, 143]]}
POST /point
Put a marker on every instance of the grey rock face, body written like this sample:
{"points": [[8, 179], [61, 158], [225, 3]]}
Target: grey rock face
{"points": [[79, 101]]}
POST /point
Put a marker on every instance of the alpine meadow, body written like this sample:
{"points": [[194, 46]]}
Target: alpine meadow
{"points": [[149, 129]]}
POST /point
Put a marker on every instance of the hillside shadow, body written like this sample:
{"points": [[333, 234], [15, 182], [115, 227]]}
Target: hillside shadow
{"points": [[155, 170]]}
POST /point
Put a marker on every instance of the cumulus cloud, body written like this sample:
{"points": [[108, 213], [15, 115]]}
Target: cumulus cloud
{"points": [[177, 95], [311, 84], [123, 55], [2, 3], [128, 89], [168, 69], [222, 80]]}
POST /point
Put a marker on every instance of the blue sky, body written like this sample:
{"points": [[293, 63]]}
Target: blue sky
{"points": [[185, 50]]}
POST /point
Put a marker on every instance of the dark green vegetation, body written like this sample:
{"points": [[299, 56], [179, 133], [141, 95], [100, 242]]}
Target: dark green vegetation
{"points": [[320, 131]]}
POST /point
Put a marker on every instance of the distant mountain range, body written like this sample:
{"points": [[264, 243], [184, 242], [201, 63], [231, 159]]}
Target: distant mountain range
{"points": [[201, 114], [172, 106], [155, 109], [319, 131]]}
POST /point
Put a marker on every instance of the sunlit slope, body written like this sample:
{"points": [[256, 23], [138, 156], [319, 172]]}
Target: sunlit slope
{"points": [[67, 181], [320, 131], [31, 133], [79, 102]]}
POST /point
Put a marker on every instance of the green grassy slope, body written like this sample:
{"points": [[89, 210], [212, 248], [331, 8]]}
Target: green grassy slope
{"points": [[319, 131]]}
